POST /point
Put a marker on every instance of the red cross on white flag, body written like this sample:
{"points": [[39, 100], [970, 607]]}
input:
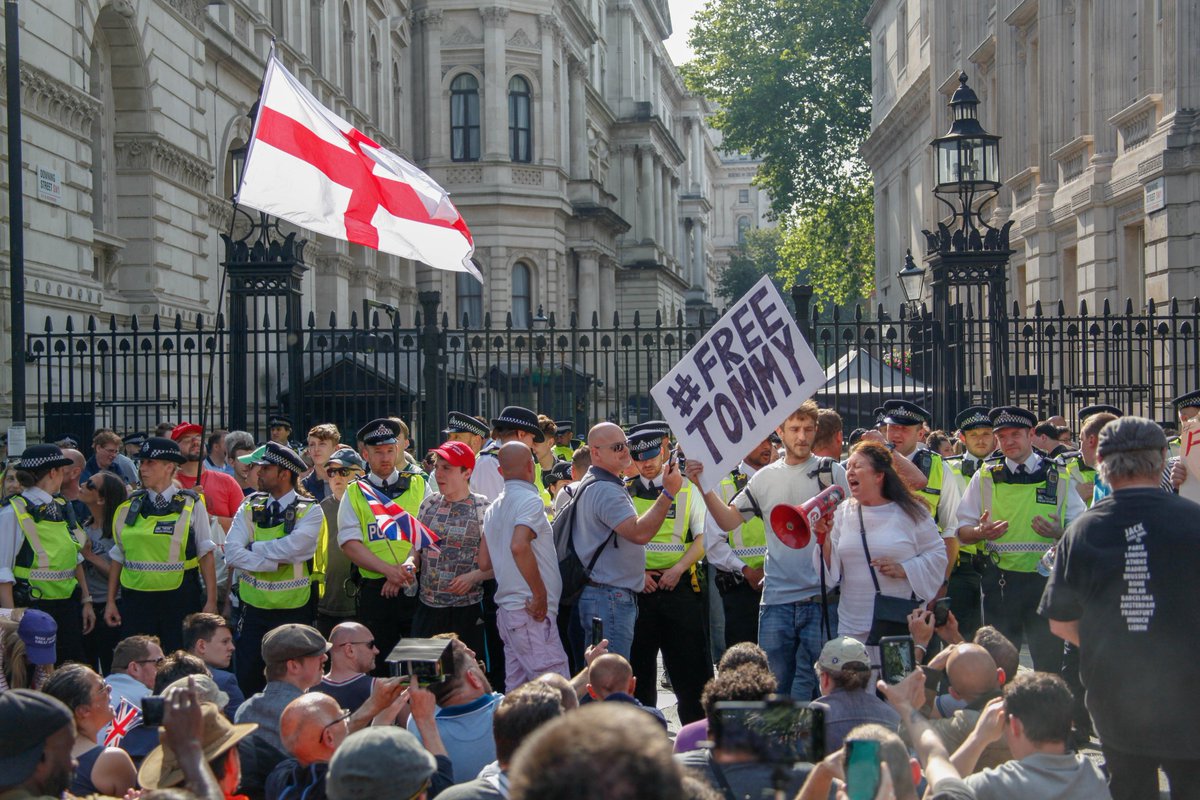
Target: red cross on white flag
{"points": [[309, 166]]}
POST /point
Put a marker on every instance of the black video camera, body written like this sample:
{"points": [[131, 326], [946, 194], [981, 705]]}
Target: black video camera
{"points": [[777, 730], [431, 661]]}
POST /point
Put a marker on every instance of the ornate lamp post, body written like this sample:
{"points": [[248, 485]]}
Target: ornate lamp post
{"points": [[912, 280], [968, 259]]}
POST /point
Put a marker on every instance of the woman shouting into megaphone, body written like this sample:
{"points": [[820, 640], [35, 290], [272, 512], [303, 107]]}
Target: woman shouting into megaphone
{"points": [[883, 546]]}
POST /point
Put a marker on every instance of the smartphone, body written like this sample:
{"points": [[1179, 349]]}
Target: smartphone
{"points": [[680, 458], [862, 769], [941, 612], [777, 730], [897, 658], [597, 631], [152, 711]]}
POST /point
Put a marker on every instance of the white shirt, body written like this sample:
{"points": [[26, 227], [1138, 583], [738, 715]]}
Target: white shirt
{"points": [[948, 500], [891, 533], [299, 545], [11, 537], [970, 509], [200, 529], [486, 478], [520, 504], [716, 541], [349, 529]]}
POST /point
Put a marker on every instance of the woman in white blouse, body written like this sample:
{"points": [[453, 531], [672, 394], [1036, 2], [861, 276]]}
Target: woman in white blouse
{"points": [[906, 550]]}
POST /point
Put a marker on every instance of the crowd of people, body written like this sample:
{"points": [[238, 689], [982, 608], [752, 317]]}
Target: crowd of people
{"points": [[200, 613]]}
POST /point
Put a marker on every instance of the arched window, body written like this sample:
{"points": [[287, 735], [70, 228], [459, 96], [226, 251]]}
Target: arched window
{"points": [[347, 53], [464, 118], [397, 104], [315, 35], [522, 295], [520, 121], [104, 179], [470, 300], [743, 225], [373, 80]]}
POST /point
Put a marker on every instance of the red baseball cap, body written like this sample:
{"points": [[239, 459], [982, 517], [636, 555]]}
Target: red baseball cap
{"points": [[457, 454], [186, 429]]}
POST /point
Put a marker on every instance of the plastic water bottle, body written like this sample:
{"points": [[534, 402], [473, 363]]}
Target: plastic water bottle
{"points": [[410, 588], [1046, 565]]}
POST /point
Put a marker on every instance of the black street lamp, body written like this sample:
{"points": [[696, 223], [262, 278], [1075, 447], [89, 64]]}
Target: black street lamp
{"points": [[968, 259], [912, 282]]}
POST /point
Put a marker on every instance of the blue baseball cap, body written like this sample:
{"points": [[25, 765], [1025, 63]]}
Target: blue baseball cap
{"points": [[39, 632]]}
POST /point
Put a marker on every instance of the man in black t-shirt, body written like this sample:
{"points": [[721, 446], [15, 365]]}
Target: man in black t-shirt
{"points": [[1123, 589]]}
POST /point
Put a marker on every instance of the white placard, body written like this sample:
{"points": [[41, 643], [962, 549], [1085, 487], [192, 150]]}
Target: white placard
{"points": [[49, 185], [1154, 196], [1189, 449], [740, 382]]}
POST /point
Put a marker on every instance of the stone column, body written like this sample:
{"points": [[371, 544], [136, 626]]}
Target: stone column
{"points": [[698, 156], [551, 32], [646, 197], [697, 253], [589, 286], [625, 44], [670, 214], [656, 201], [608, 291], [495, 84], [579, 165], [436, 138], [629, 186]]}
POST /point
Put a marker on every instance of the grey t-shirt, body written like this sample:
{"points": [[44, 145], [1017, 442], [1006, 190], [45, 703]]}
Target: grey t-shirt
{"points": [[1041, 775], [604, 505]]}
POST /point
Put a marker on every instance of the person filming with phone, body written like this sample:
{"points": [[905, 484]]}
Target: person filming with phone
{"points": [[883, 546]]}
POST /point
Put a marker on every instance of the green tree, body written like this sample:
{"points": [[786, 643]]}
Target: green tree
{"points": [[792, 82], [832, 247], [758, 255]]}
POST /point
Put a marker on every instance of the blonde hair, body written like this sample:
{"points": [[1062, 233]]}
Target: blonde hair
{"points": [[17, 669], [327, 432]]}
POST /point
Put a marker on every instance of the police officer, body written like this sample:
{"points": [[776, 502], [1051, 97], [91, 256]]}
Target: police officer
{"points": [[671, 607], [1016, 507], [975, 432], [271, 543], [738, 556], [40, 562], [942, 491], [388, 593], [469, 430], [1187, 407], [280, 431], [161, 545], [565, 444], [515, 424]]}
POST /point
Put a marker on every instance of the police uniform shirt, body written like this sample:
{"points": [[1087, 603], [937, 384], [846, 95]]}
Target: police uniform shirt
{"points": [[201, 533], [266, 556], [716, 541], [349, 528], [969, 510], [697, 512], [11, 537], [486, 478], [950, 497]]}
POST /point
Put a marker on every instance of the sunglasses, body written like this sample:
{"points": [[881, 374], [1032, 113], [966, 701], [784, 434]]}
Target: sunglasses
{"points": [[91, 487], [370, 644], [618, 447], [340, 472], [345, 715], [155, 661]]}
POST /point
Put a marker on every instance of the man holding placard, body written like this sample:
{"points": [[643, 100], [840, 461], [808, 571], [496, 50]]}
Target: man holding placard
{"points": [[792, 617]]}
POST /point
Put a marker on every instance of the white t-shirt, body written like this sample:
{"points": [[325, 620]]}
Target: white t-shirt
{"points": [[520, 504], [891, 533], [789, 576]]}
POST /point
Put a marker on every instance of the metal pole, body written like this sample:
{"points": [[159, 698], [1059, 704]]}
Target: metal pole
{"points": [[16, 226]]}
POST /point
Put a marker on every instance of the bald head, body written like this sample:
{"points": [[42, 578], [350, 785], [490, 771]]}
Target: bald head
{"points": [[972, 672], [348, 632], [516, 462], [305, 727], [77, 459], [604, 433], [608, 674], [569, 700]]}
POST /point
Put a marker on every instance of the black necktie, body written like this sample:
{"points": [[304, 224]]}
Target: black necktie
{"points": [[161, 504], [51, 511], [1021, 469], [274, 510]]}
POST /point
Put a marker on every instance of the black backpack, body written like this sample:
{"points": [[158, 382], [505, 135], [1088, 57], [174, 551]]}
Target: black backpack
{"points": [[574, 574]]}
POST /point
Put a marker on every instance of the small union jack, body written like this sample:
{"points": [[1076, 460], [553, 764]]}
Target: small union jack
{"points": [[127, 717], [394, 522]]}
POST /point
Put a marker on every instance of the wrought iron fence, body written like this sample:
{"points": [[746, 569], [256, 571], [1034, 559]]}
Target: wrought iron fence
{"points": [[96, 373]]}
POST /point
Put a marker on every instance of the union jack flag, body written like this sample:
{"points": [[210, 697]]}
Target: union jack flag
{"points": [[394, 522], [127, 717]]}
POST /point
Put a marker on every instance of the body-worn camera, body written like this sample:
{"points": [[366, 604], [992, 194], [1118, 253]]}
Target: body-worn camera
{"points": [[777, 730], [429, 660]]}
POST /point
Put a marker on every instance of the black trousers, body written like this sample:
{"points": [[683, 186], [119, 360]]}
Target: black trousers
{"points": [[255, 623], [673, 621], [964, 594], [68, 615], [741, 614], [1080, 717], [389, 618], [492, 653], [98, 645], [1135, 777], [1010, 603], [161, 613], [466, 621]]}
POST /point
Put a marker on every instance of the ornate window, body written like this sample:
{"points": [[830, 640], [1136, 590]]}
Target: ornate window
{"points": [[464, 118], [373, 80], [314, 35], [743, 225], [470, 300], [522, 295], [347, 53], [520, 121]]}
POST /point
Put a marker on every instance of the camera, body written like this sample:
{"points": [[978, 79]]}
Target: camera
{"points": [[430, 661], [897, 658], [777, 730], [152, 711], [941, 612]]}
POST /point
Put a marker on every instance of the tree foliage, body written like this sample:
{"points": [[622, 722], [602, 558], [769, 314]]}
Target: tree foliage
{"points": [[792, 81], [758, 255], [832, 247]]}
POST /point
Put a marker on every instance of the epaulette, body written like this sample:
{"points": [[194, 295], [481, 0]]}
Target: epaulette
{"points": [[192, 493], [952, 459], [4, 502], [136, 493]]}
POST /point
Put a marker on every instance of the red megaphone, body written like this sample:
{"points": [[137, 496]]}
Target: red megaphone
{"points": [[794, 524]]}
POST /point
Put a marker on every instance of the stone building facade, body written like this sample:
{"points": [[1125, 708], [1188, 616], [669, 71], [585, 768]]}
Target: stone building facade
{"points": [[1098, 105], [562, 130]]}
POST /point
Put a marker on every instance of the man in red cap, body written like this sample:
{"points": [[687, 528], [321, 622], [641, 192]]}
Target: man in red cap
{"points": [[222, 494], [450, 578]]}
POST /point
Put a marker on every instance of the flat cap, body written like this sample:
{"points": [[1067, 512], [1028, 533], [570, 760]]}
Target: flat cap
{"points": [[293, 641], [1131, 433]]}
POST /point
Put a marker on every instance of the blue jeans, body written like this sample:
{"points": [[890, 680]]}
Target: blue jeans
{"points": [[791, 636], [617, 608]]}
